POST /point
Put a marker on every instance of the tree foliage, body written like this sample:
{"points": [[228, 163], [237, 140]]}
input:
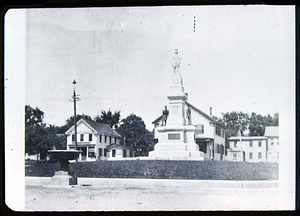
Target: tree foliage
{"points": [[235, 122], [33, 116], [136, 135], [39, 138], [258, 123], [239, 123], [110, 118]]}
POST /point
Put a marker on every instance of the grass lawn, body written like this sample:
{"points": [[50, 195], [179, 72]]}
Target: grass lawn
{"points": [[164, 169]]}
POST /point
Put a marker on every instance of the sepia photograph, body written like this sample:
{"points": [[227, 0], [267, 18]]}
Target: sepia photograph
{"points": [[161, 108]]}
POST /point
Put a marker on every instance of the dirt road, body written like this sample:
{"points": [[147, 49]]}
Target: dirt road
{"points": [[146, 197]]}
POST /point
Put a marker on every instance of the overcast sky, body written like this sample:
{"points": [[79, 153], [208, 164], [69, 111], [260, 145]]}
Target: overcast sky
{"points": [[237, 59]]}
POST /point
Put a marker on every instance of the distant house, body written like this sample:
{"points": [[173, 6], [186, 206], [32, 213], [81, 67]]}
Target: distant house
{"points": [[97, 141], [210, 135], [272, 133], [255, 148]]}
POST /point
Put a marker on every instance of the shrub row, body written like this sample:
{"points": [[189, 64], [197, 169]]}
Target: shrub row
{"points": [[213, 170]]}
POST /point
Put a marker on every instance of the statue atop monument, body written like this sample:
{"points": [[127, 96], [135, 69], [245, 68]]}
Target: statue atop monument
{"points": [[176, 63]]}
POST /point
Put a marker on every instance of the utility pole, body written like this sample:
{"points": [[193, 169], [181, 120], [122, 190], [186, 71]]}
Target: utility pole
{"points": [[74, 99]]}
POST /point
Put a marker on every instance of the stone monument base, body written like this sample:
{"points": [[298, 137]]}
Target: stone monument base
{"points": [[62, 178], [176, 143], [178, 151]]}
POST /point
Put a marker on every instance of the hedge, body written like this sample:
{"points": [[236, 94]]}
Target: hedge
{"points": [[164, 169]]}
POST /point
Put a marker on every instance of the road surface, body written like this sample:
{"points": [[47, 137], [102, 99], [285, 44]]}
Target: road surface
{"points": [[148, 195]]}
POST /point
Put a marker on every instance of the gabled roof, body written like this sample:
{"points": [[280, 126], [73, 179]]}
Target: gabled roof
{"points": [[157, 120], [272, 131], [96, 127], [205, 115]]}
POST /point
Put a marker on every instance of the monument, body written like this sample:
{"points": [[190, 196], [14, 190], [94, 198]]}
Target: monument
{"points": [[176, 134]]}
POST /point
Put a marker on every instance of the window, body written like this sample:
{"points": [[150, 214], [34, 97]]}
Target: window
{"points": [[218, 130], [259, 143], [90, 137], [131, 153], [113, 153], [73, 137], [91, 152], [81, 137], [104, 152], [223, 133], [219, 149], [272, 143], [104, 139], [250, 155], [234, 154], [259, 155], [109, 140], [124, 153], [277, 142], [100, 138], [250, 143], [100, 152], [235, 143]]}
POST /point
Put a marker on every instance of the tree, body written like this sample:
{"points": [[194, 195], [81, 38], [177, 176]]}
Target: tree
{"points": [[59, 139], [33, 116], [133, 129], [235, 122], [38, 137], [276, 119], [258, 123], [112, 119]]}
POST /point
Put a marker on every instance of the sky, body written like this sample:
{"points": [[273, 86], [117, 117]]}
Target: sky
{"points": [[237, 59]]}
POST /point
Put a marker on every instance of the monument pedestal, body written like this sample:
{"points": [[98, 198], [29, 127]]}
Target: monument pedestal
{"points": [[62, 178], [176, 143]]}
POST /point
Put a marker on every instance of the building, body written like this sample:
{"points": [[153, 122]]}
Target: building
{"points": [[272, 133], [97, 141], [256, 148]]}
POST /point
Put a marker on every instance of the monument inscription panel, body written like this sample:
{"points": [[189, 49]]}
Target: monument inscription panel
{"points": [[174, 136]]}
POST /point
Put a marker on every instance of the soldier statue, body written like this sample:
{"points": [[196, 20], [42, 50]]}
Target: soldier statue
{"points": [[188, 114], [165, 116]]}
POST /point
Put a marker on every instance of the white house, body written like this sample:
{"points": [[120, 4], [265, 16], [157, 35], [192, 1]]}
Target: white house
{"points": [[97, 141], [256, 148], [210, 135], [272, 133]]}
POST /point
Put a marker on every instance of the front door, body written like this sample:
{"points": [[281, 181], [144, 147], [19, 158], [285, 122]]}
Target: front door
{"points": [[83, 154]]}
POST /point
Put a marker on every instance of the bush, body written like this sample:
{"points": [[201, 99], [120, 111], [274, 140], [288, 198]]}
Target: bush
{"points": [[160, 169]]}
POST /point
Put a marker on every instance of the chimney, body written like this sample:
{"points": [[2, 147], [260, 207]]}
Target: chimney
{"points": [[210, 111]]}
